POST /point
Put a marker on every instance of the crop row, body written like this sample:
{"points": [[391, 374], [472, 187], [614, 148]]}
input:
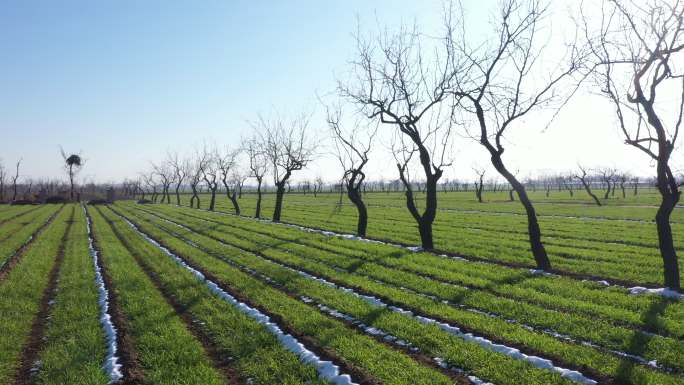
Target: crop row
{"points": [[436, 308]]}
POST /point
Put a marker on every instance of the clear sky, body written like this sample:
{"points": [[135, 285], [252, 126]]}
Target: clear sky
{"points": [[124, 81]]}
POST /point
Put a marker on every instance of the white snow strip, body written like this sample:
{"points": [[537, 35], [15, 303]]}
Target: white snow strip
{"points": [[663, 292], [326, 369], [111, 364]]}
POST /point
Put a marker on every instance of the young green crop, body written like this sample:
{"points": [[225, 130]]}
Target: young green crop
{"points": [[565, 350], [166, 349], [21, 292], [74, 349]]}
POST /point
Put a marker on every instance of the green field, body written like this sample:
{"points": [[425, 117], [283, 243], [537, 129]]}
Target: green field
{"points": [[198, 297]]}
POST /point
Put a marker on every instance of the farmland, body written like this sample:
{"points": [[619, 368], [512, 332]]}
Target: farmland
{"points": [[158, 293]]}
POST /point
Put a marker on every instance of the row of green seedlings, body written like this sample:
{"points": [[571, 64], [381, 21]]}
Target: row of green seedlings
{"points": [[641, 360], [322, 335], [257, 355], [585, 264], [433, 266], [581, 248], [480, 247], [18, 234], [326, 369], [543, 290], [580, 230], [589, 325], [405, 316], [27, 291], [8, 213], [298, 264]]}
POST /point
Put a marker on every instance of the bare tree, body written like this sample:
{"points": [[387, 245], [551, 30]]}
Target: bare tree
{"points": [[607, 176], [635, 182], [210, 173], [226, 165], [181, 169], [72, 164], [479, 183], [404, 81], [166, 175], [258, 166], [150, 182], [14, 179], [638, 48], [506, 81], [622, 178], [587, 185], [352, 147], [195, 177], [318, 185], [287, 149]]}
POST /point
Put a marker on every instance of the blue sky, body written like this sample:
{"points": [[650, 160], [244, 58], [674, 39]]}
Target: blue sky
{"points": [[124, 81]]}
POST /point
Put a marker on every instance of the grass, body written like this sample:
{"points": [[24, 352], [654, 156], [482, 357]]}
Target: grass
{"points": [[167, 351], [74, 349], [573, 353], [610, 249], [21, 292]]}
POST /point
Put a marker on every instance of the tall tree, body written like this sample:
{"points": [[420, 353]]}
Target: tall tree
{"points": [[195, 177], [638, 47], [587, 184], [258, 166], [352, 147], [403, 80], [226, 163], [210, 174], [181, 169], [166, 178], [287, 149], [506, 80], [72, 165]]}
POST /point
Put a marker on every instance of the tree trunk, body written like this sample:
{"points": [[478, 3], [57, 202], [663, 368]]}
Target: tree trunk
{"points": [[425, 230], [280, 192], [236, 206], [195, 197], [212, 202], [591, 194], [178, 194], [510, 195], [670, 194], [71, 181], [362, 221], [257, 214], [536, 245]]}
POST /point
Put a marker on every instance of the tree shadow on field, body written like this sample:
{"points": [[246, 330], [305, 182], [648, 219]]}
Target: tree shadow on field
{"points": [[493, 285], [639, 341]]}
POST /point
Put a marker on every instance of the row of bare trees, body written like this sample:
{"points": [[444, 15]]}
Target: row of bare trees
{"points": [[279, 147], [421, 89]]}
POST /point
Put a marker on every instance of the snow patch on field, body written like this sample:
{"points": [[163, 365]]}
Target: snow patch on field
{"points": [[326, 369], [111, 364], [663, 292]]}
